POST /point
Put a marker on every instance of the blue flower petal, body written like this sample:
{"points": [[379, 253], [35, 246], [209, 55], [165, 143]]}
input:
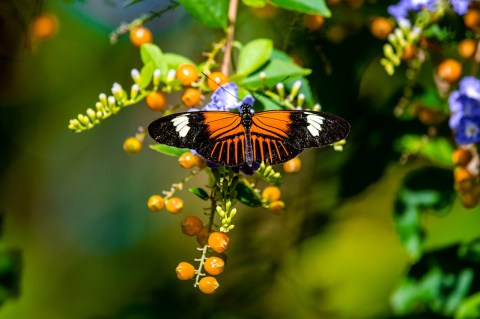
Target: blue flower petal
{"points": [[460, 6], [470, 86], [224, 98], [468, 130]]}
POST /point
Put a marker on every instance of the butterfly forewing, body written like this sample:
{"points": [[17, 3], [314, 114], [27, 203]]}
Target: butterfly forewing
{"points": [[274, 136]]}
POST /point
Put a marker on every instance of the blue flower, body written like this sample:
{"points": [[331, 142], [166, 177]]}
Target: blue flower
{"points": [[404, 7], [465, 107], [468, 130], [460, 6], [224, 99]]}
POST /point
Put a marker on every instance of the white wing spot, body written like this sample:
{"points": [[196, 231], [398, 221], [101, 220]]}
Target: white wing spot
{"points": [[315, 123], [181, 125]]}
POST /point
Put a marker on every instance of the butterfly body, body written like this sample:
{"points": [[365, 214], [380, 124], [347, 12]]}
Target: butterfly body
{"points": [[245, 138]]}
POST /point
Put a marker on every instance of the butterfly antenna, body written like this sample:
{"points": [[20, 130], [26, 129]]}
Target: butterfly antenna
{"points": [[221, 87]]}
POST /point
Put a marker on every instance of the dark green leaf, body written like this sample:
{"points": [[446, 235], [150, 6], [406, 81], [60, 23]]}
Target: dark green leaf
{"points": [[305, 6], [200, 192], [146, 74], [266, 104], [247, 196], [212, 13], [169, 150], [469, 308], [152, 53], [276, 70], [253, 55]]}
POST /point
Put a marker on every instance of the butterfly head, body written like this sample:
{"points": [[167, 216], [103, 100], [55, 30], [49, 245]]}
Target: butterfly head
{"points": [[247, 105]]}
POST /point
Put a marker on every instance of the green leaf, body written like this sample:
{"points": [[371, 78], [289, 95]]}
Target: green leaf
{"points": [[200, 192], [253, 55], [151, 53], [469, 308], [247, 196], [146, 74], [212, 13], [437, 150], [174, 60], [266, 104], [305, 6], [255, 3], [169, 150], [276, 70], [305, 89]]}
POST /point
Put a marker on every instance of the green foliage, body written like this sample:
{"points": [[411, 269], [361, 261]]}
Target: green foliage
{"points": [[151, 53], [305, 6], [438, 150], [253, 55], [169, 150], [424, 190], [247, 196], [200, 192], [212, 13]]}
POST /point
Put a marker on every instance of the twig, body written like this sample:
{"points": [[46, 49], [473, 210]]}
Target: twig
{"points": [[232, 16]]}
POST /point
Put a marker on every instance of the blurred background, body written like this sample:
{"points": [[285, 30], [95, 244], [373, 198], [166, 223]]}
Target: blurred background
{"points": [[80, 239]]}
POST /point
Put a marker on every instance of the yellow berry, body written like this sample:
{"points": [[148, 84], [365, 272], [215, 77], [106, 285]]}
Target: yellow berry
{"points": [[156, 101], [313, 22], [271, 193], [276, 207], [44, 26], [472, 19], [191, 97], [185, 271], [156, 203], [215, 79], [132, 146], [140, 35], [187, 73], [218, 241], [467, 48], [381, 27], [202, 236], [461, 157], [174, 205], [187, 160], [191, 225], [449, 70], [208, 285], [292, 166], [214, 265]]}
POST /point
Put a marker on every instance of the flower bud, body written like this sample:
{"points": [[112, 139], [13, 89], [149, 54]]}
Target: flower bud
{"points": [[300, 99], [112, 102], [135, 76], [281, 90], [134, 91], [317, 107], [171, 75], [91, 114], [103, 98], [156, 77]]}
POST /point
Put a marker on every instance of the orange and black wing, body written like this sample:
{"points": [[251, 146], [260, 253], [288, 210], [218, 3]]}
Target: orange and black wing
{"points": [[217, 136], [278, 136]]}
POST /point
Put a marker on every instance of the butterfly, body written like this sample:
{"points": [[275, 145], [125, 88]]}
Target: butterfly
{"points": [[249, 138]]}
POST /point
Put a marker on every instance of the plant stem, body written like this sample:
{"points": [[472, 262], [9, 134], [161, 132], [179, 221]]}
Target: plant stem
{"points": [[232, 16]]}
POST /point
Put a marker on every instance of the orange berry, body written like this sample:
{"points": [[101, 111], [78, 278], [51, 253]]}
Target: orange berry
{"points": [[191, 225], [185, 271], [187, 73], [200, 161], [463, 179], [44, 26], [276, 207], [174, 205], [472, 19], [202, 236], [140, 35], [187, 160], [191, 97], [215, 79], [208, 285], [292, 166], [156, 101], [449, 70], [409, 52], [271, 193], [214, 265], [469, 199], [461, 157], [156, 203], [313, 22], [266, 12], [218, 241], [381, 27], [132, 146], [467, 48]]}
